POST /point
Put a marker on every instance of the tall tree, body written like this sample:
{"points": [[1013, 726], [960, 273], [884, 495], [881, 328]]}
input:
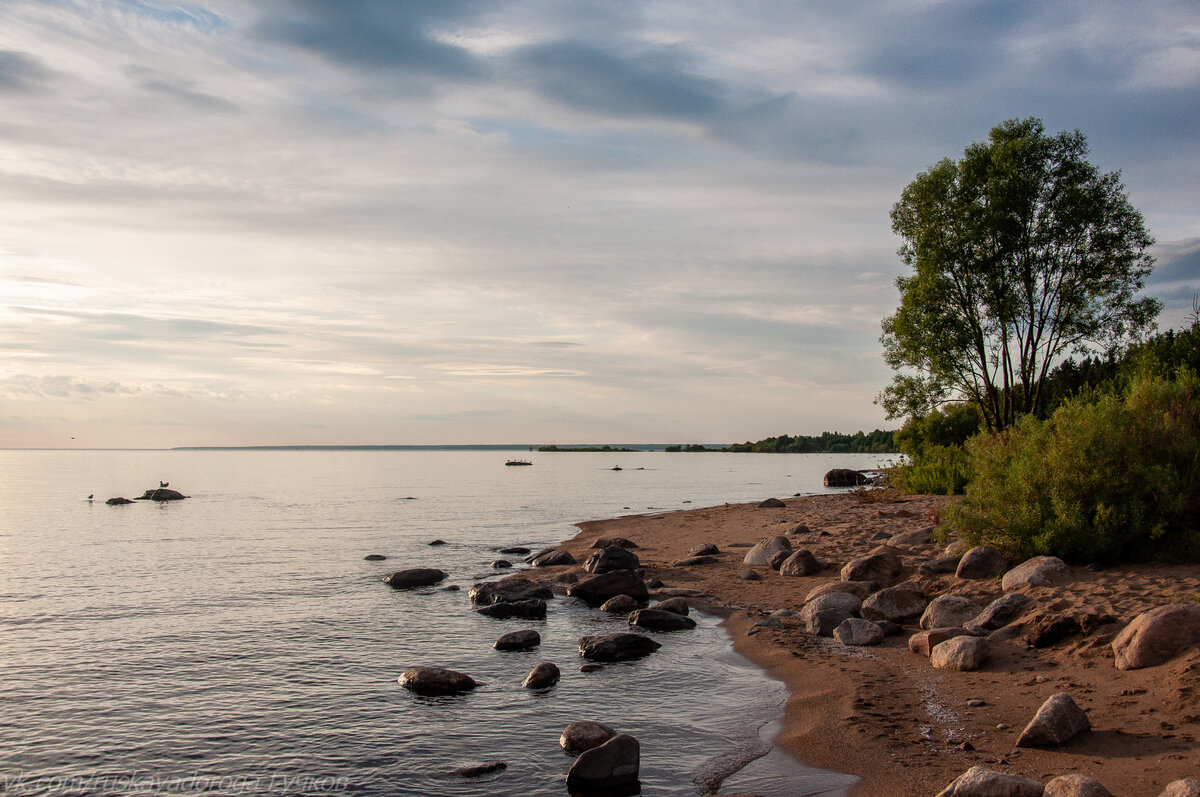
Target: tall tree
{"points": [[1022, 252]]}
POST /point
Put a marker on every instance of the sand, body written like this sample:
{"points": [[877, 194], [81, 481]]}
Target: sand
{"points": [[885, 714]]}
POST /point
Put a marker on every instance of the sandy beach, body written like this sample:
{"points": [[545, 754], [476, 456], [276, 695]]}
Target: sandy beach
{"points": [[884, 713]]}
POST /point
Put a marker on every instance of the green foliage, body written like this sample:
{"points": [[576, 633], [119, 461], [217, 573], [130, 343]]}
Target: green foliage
{"points": [[1022, 252], [951, 425], [1111, 477], [938, 470], [876, 442]]}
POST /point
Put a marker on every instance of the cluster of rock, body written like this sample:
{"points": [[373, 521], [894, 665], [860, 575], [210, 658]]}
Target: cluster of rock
{"points": [[983, 782], [156, 494]]}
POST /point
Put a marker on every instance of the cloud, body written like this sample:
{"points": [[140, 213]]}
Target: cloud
{"points": [[21, 72], [496, 370]]}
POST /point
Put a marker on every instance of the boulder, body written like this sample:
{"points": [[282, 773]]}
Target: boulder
{"points": [[475, 770], [677, 605], [437, 542], [436, 681], [844, 477], [982, 561], [800, 563], [859, 589], [1040, 571], [695, 560], [501, 564], [526, 639], [612, 767], [899, 603], [543, 676], [609, 542], [531, 609], [620, 604], [611, 558], [616, 647], [766, 548], [657, 620], [595, 590], [118, 501], [1186, 787], [889, 628], [161, 494], [1155, 636], [749, 575], [936, 567], [414, 577], [960, 653], [509, 589], [1051, 628], [374, 557], [881, 568], [857, 631], [949, 611], [909, 539], [1076, 785], [925, 641], [772, 503], [584, 735], [824, 614], [515, 550], [1059, 720], [1000, 612], [554, 558], [707, 549], [778, 559], [981, 782]]}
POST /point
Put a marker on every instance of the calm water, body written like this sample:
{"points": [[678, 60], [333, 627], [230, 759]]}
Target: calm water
{"points": [[238, 643]]}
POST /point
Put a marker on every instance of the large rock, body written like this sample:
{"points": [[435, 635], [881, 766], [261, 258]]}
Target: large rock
{"points": [[938, 566], [844, 477], [620, 604], [859, 589], [554, 558], [766, 548], [161, 494], [924, 642], [414, 577], [949, 611], [824, 614], [543, 676], [658, 620], [982, 561], [1059, 720], [960, 653], [509, 589], [436, 681], [778, 559], [706, 549], [532, 609], [1040, 571], [857, 631], [1000, 612], [1155, 636], [981, 782], [584, 735], [1076, 785], [595, 590], [881, 568], [118, 501], [800, 563], [611, 558], [1186, 787], [899, 603], [609, 542], [616, 647], [525, 639], [612, 767], [772, 503], [677, 605]]}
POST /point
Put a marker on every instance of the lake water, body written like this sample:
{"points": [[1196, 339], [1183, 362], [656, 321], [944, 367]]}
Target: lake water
{"points": [[238, 643]]}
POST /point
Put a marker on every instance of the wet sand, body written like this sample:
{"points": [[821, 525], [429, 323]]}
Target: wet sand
{"points": [[885, 714]]}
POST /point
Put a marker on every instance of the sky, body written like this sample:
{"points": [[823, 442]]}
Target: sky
{"points": [[518, 221]]}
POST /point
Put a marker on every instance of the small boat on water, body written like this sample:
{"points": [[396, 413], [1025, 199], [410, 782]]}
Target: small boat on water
{"points": [[518, 462]]}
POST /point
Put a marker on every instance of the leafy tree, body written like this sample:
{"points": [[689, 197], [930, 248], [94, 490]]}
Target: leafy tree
{"points": [[1022, 253]]}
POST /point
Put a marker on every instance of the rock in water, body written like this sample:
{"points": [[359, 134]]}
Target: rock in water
{"points": [[595, 590], [1059, 720], [981, 782], [765, 549], [414, 577], [532, 609], [613, 767], [658, 620], [1155, 636], [436, 681], [509, 589], [118, 501], [620, 604], [616, 647], [374, 557], [677, 605], [611, 558], [844, 477], [584, 735], [772, 503], [475, 770], [543, 676], [525, 639], [553, 558], [162, 494]]}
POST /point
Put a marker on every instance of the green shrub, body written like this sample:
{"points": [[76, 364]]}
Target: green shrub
{"points": [[1106, 478], [937, 470]]}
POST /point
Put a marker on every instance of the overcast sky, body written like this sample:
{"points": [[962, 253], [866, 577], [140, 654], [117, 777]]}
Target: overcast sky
{"points": [[536, 221]]}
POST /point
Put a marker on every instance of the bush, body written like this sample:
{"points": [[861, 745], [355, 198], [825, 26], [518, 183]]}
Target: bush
{"points": [[1106, 478], [950, 425], [938, 470]]}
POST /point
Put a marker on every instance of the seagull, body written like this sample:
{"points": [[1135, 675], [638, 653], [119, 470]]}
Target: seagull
{"points": [[163, 484], [90, 497]]}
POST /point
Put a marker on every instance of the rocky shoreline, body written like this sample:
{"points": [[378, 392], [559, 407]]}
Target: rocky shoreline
{"points": [[921, 670]]}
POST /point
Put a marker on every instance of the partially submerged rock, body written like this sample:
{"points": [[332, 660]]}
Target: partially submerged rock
{"points": [[620, 604], [658, 620], [118, 501], [543, 676], [584, 735], [844, 477], [611, 558], [1059, 720], [616, 647], [525, 639], [1156, 636], [595, 590], [161, 494], [531, 609], [677, 605], [476, 770], [554, 558], [414, 577], [613, 767], [509, 589], [436, 681]]}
